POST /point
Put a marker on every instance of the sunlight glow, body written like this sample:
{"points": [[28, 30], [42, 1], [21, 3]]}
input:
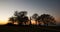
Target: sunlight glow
{"points": [[16, 23], [33, 22], [3, 21]]}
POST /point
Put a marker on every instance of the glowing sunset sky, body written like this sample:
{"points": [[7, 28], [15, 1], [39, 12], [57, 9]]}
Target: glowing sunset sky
{"points": [[7, 7]]}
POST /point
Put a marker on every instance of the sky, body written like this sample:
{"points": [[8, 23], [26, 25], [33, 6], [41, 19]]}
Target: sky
{"points": [[7, 8]]}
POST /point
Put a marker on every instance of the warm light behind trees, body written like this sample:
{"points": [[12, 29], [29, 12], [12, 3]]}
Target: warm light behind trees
{"points": [[22, 18]]}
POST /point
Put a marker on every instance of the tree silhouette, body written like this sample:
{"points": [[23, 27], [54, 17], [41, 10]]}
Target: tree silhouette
{"points": [[11, 21], [46, 19], [21, 17], [30, 20], [35, 16]]}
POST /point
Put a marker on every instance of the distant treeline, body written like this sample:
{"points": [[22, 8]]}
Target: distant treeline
{"points": [[21, 18]]}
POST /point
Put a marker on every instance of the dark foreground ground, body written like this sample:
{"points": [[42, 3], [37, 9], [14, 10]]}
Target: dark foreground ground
{"points": [[29, 29]]}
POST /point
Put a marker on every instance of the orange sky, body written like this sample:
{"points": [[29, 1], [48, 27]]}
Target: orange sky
{"points": [[3, 22]]}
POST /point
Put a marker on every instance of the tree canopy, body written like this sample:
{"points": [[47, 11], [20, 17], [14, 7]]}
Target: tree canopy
{"points": [[46, 19], [21, 17]]}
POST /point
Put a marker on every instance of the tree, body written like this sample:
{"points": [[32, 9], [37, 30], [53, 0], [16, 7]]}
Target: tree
{"points": [[21, 17], [11, 19], [30, 21], [46, 19], [16, 13], [35, 16]]}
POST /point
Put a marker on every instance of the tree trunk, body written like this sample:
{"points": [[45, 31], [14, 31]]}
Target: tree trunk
{"points": [[30, 20]]}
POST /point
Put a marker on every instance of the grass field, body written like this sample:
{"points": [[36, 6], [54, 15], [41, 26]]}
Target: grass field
{"points": [[28, 29]]}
